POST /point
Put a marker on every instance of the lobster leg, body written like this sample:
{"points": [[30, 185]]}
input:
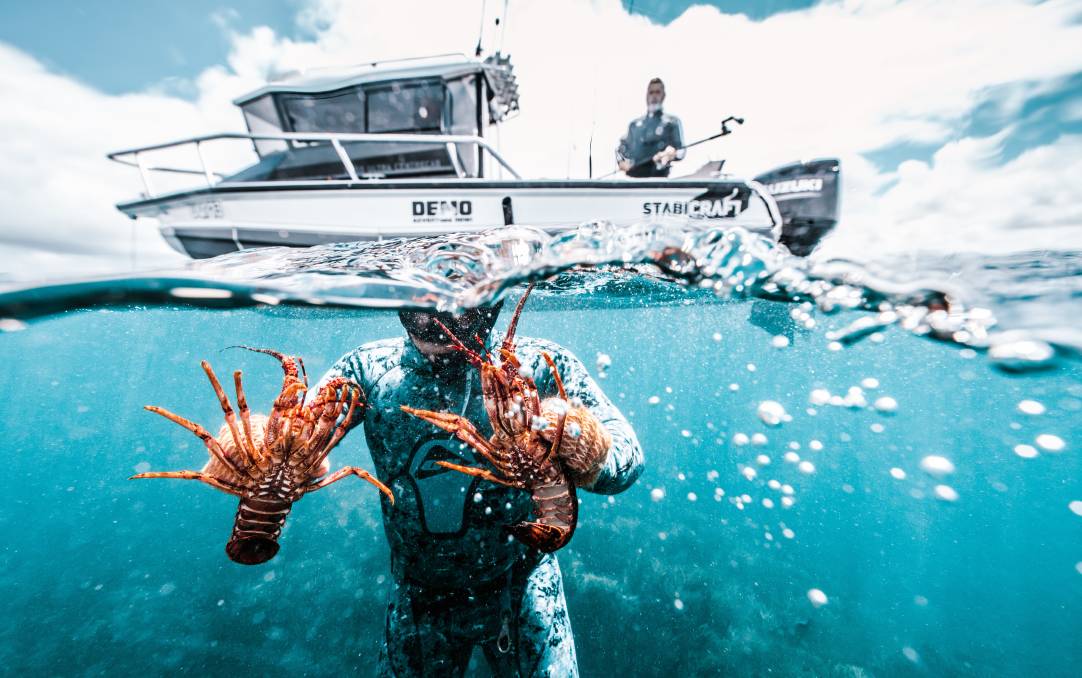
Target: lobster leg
{"points": [[213, 447], [193, 475], [278, 431], [555, 375], [230, 418], [480, 473], [348, 471], [464, 430], [340, 430], [245, 416], [558, 438]]}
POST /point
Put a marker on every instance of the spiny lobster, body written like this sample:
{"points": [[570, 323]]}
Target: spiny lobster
{"points": [[276, 459], [522, 457]]}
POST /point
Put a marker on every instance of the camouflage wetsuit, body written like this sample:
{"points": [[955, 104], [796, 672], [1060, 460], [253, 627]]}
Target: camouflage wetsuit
{"points": [[647, 136], [460, 579]]}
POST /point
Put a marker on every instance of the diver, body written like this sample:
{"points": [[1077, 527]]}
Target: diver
{"points": [[460, 579], [653, 141]]}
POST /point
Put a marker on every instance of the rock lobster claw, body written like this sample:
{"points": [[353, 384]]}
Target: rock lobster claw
{"points": [[275, 460], [520, 455]]}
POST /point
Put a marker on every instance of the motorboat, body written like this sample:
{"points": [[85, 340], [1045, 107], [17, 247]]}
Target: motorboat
{"points": [[406, 148]]}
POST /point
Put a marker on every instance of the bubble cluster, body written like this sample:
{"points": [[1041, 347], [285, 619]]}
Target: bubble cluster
{"points": [[772, 413]]}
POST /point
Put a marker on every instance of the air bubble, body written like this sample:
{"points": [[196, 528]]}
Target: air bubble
{"points": [[946, 493], [1031, 407], [817, 597], [1050, 442], [886, 405], [936, 465], [1025, 451]]}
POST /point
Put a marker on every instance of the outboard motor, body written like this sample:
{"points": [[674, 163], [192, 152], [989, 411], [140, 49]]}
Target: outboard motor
{"points": [[807, 194]]}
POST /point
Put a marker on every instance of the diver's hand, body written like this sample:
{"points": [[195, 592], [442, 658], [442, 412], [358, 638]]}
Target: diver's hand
{"points": [[624, 165], [663, 158], [585, 445]]}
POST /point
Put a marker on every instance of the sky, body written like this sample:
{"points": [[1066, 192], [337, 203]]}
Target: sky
{"points": [[959, 125]]}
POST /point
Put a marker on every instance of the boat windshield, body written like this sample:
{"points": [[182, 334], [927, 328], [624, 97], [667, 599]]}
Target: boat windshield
{"points": [[335, 112], [418, 106], [406, 107]]}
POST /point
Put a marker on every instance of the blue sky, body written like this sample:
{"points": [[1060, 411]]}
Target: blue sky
{"points": [[122, 46], [127, 46], [119, 46], [955, 121]]}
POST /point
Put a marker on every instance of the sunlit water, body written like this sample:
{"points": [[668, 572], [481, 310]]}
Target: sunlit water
{"points": [[828, 490]]}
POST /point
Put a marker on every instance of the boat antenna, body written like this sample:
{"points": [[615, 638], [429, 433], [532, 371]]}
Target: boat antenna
{"points": [[480, 29], [503, 26]]}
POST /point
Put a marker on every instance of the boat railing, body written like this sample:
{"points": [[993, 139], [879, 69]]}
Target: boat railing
{"points": [[136, 157]]}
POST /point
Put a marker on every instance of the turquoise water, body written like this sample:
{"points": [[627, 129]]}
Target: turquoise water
{"points": [[704, 567]]}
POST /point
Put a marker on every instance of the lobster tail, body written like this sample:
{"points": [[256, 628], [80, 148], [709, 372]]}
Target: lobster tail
{"points": [[256, 530], [556, 507]]}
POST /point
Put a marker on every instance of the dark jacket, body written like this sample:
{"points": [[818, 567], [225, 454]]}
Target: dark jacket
{"points": [[646, 136]]}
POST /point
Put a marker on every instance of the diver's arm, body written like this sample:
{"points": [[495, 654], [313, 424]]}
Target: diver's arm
{"points": [[624, 462]]}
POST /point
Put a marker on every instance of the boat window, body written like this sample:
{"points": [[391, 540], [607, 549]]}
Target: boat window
{"points": [[405, 107], [336, 112], [261, 117], [462, 106]]}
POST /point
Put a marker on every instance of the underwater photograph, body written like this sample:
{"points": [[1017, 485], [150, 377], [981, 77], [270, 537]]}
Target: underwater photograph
{"points": [[608, 338]]}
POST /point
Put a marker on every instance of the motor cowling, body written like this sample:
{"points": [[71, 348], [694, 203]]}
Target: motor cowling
{"points": [[807, 195]]}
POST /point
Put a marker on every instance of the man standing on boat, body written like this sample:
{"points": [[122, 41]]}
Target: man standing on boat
{"points": [[461, 581], [653, 141]]}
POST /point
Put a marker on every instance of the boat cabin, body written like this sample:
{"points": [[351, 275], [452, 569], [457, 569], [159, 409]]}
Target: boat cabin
{"points": [[444, 95]]}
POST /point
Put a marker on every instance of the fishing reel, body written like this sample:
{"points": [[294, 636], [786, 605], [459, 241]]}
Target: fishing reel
{"points": [[725, 124]]}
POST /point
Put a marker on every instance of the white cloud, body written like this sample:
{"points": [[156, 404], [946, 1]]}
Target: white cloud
{"points": [[963, 201], [837, 79]]}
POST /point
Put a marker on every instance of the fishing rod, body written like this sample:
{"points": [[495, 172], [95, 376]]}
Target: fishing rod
{"points": [[725, 131]]}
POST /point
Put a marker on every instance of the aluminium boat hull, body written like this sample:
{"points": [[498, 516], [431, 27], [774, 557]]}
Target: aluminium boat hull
{"points": [[240, 215]]}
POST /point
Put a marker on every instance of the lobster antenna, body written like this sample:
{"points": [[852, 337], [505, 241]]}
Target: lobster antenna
{"points": [[518, 311]]}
